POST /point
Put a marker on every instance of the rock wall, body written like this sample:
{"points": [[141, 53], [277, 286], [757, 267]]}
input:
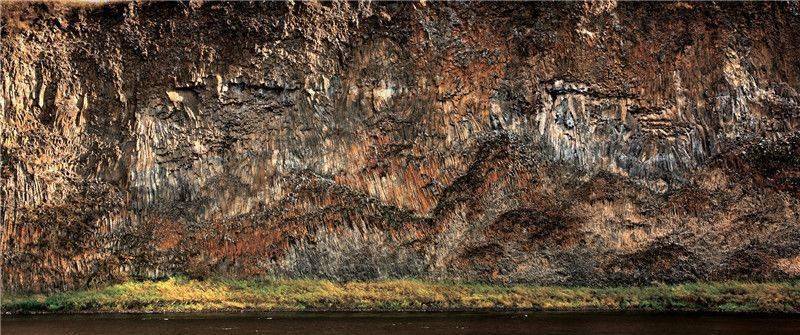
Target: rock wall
{"points": [[555, 143]]}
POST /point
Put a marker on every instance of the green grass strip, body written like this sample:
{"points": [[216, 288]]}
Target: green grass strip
{"points": [[186, 295]]}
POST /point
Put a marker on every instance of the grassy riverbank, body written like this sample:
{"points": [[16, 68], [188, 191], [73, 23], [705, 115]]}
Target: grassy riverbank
{"points": [[183, 295]]}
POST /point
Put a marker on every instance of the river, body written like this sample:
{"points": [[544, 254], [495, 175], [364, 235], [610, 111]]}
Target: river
{"points": [[573, 323]]}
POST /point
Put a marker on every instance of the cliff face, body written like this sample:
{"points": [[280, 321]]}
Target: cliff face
{"points": [[561, 143]]}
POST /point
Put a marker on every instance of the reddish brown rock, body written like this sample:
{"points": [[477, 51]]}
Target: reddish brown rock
{"points": [[562, 143]]}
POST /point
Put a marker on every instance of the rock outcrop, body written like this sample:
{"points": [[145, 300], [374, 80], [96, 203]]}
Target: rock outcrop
{"points": [[555, 143]]}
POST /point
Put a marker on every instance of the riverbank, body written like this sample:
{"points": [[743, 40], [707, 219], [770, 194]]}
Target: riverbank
{"points": [[184, 295]]}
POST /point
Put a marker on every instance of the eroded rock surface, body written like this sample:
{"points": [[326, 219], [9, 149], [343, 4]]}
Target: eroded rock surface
{"points": [[554, 143]]}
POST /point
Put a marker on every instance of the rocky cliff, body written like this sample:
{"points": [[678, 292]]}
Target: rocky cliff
{"points": [[553, 143]]}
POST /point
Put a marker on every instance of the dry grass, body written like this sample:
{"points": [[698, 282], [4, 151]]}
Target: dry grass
{"points": [[180, 295]]}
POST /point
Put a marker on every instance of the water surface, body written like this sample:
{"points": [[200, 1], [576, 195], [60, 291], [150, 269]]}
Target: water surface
{"points": [[403, 323]]}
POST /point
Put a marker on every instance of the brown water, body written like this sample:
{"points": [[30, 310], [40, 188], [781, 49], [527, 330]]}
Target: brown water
{"points": [[403, 323]]}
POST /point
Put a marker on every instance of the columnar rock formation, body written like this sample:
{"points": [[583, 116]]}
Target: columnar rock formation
{"points": [[554, 143]]}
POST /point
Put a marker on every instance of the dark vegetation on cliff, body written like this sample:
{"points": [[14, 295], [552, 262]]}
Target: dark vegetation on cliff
{"points": [[597, 144]]}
